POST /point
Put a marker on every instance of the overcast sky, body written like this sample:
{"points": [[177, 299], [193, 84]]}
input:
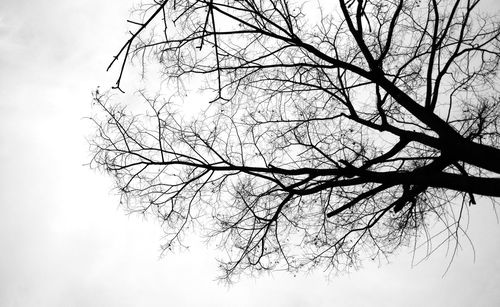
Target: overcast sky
{"points": [[65, 242]]}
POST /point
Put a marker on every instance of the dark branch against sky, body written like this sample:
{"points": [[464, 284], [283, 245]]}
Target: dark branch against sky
{"points": [[326, 136]]}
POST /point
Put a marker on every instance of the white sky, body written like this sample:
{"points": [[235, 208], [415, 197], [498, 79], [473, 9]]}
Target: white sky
{"points": [[65, 242]]}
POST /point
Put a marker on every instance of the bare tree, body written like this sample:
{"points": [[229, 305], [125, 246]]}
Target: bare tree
{"points": [[330, 133]]}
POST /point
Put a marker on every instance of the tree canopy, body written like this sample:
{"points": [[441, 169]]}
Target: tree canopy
{"points": [[329, 132]]}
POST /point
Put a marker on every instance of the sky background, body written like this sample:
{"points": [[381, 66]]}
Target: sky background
{"points": [[65, 242]]}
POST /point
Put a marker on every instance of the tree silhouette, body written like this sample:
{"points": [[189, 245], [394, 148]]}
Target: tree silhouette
{"points": [[329, 133]]}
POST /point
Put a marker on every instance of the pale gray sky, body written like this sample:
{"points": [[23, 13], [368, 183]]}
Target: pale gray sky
{"points": [[65, 242]]}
